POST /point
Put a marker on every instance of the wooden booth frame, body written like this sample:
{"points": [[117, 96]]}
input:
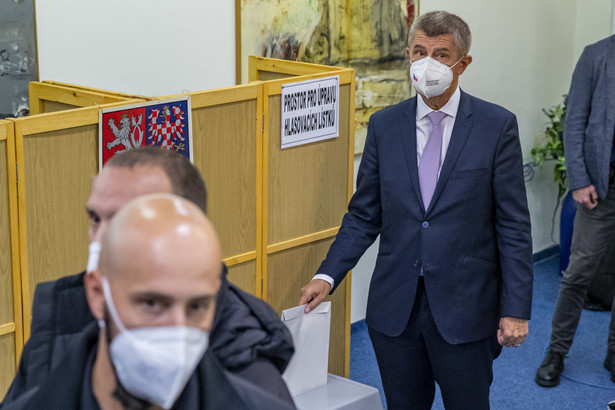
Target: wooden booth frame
{"points": [[51, 96], [293, 230], [44, 144], [11, 321], [274, 231]]}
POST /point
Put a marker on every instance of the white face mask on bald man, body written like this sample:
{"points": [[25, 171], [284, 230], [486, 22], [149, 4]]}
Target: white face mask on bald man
{"points": [[154, 363]]}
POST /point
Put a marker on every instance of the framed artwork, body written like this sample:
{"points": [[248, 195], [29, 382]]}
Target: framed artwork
{"points": [[369, 36]]}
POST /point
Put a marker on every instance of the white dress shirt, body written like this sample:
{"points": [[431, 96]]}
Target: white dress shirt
{"points": [[423, 129]]}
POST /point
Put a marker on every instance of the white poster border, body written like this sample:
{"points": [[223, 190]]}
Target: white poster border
{"points": [[303, 104]]}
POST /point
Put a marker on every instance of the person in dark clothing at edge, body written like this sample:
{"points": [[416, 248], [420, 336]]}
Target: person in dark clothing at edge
{"points": [[247, 337]]}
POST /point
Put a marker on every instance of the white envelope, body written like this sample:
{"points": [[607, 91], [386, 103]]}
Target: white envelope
{"points": [[307, 369]]}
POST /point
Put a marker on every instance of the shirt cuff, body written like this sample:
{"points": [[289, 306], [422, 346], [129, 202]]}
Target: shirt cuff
{"points": [[325, 277]]}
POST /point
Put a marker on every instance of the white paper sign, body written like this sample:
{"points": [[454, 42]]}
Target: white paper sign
{"points": [[310, 111], [307, 369]]}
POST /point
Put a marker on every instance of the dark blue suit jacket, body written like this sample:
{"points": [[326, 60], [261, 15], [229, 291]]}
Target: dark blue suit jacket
{"points": [[473, 243]]}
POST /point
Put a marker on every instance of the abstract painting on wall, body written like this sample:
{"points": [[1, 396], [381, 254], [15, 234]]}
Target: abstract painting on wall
{"points": [[367, 35]]}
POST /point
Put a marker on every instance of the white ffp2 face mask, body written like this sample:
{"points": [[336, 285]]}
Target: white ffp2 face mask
{"points": [[155, 363], [431, 77], [93, 256]]}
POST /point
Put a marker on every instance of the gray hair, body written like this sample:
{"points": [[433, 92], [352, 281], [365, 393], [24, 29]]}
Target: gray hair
{"points": [[439, 23]]}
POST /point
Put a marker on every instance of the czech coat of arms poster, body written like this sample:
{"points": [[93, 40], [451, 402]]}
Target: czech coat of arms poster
{"points": [[164, 123]]}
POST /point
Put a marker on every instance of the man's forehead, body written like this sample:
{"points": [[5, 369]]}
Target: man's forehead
{"points": [[178, 284], [421, 39], [115, 186], [143, 267]]}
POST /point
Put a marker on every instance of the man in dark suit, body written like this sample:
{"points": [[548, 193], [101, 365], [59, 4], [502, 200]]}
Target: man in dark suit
{"points": [[589, 130], [441, 182]]}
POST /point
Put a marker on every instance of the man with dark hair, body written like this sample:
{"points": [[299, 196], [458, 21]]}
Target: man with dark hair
{"points": [[247, 336], [185, 179], [441, 181]]}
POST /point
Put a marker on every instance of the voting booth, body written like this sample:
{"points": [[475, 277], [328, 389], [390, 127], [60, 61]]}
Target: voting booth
{"points": [[276, 210]]}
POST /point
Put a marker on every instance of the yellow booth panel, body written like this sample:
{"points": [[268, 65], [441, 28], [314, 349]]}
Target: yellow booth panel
{"points": [[6, 269], [308, 188], [225, 153], [11, 337], [59, 169], [244, 276], [7, 362]]}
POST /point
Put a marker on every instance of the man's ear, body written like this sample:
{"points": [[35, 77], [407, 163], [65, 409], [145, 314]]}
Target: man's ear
{"points": [[463, 64], [94, 293]]}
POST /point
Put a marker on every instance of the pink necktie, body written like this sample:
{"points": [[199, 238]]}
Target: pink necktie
{"points": [[430, 160]]}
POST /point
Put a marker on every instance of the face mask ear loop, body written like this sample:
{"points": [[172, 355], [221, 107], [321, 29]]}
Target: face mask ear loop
{"points": [[458, 61], [111, 306]]}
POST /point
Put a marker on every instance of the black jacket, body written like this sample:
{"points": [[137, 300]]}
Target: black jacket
{"points": [[210, 387], [248, 338]]}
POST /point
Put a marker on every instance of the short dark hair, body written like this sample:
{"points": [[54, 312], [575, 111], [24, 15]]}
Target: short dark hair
{"points": [[185, 178], [440, 23]]}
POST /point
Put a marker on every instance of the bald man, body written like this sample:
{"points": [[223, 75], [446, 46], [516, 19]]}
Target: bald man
{"points": [[247, 337], [154, 299]]}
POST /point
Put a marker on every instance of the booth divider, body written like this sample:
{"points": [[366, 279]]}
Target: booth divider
{"points": [[125, 96], [11, 334], [306, 192], [49, 96], [57, 158], [227, 144], [264, 69], [276, 211]]}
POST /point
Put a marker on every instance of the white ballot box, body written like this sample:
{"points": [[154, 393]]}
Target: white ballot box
{"points": [[306, 375], [340, 394]]}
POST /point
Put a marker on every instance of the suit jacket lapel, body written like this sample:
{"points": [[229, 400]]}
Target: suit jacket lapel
{"points": [[461, 130], [407, 129]]}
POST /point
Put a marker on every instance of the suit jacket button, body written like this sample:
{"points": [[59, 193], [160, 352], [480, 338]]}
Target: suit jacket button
{"points": [[425, 224]]}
